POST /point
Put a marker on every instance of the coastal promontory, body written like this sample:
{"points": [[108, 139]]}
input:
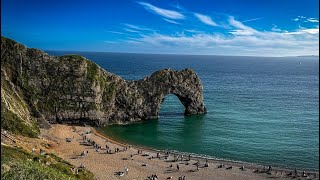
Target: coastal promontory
{"points": [[37, 88]]}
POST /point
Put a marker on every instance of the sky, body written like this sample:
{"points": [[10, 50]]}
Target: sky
{"points": [[211, 27]]}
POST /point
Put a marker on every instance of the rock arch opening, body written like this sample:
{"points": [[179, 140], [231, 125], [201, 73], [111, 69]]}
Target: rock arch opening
{"points": [[171, 106]]}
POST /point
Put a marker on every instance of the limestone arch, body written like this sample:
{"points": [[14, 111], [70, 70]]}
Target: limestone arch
{"points": [[184, 84]]}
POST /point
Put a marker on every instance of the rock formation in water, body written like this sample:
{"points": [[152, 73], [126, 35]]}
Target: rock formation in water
{"points": [[36, 87]]}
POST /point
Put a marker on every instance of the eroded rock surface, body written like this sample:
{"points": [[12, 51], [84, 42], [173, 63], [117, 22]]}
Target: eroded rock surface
{"points": [[74, 89]]}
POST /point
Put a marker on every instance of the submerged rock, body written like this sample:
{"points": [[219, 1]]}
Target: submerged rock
{"points": [[73, 89]]}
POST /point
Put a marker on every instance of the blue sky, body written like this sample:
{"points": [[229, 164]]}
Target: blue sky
{"points": [[243, 27]]}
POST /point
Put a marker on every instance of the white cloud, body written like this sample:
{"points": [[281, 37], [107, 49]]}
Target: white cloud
{"points": [[236, 39], [305, 31], [254, 19], [170, 21], [205, 19], [311, 31], [275, 28], [137, 27], [241, 32], [193, 31], [115, 32], [243, 40], [131, 30], [240, 25], [305, 19], [295, 19], [162, 12], [313, 20]]}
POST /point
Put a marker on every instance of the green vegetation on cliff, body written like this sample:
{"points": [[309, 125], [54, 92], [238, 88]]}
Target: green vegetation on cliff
{"points": [[17, 163], [16, 125], [16, 118], [92, 70]]}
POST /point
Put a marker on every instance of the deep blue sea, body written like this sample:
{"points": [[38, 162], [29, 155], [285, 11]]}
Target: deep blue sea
{"points": [[260, 110]]}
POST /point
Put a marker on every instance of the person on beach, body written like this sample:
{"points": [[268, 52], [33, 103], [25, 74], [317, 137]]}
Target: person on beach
{"points": [[126, 170], [189, 157], [81, 166], [206, 163], [304, 174], [178, 167], [83, 153], [154, 177]]}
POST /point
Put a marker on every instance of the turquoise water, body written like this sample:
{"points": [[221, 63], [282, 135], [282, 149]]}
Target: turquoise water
{"points": [[260, 110]]}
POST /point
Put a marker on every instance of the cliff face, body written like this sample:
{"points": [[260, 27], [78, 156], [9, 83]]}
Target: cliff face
{"points": [[38, 87]]}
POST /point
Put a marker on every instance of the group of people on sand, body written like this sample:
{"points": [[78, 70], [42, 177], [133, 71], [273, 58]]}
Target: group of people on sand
{"points": [[97, 147], [92, 143]]}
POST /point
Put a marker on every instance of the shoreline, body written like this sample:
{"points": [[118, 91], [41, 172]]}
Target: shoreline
{"points": [[70, 142], [199, 158]]}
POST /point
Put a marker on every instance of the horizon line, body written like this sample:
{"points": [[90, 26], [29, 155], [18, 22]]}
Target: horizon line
{"points": [[178, 54]]}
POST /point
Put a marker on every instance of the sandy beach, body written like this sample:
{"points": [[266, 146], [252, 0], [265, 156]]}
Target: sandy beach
{"points": [[106, 165], [69, 142]]}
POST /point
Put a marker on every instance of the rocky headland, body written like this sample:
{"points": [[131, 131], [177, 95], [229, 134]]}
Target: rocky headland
{"points": [[37, 88]]}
